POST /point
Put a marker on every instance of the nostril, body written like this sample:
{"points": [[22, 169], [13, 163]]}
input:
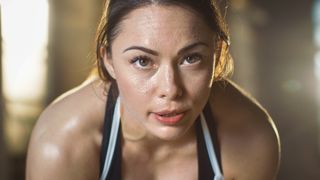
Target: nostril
{"points": [[172, 93]]}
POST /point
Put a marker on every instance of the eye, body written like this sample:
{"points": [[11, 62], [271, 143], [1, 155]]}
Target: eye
{"points": [[142, 62], [192, 58]]}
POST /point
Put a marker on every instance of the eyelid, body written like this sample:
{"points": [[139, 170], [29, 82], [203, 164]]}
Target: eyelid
{"points": [[140, 57], [197, 54]]}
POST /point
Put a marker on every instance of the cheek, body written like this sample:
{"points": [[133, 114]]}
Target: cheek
{"points": [[132, 86], [198, 85]]}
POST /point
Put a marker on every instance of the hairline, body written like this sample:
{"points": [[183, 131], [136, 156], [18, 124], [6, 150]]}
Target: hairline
{"points": [[117, 28]]}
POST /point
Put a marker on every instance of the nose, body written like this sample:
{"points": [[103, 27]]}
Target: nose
{"points": [[170, 85]]}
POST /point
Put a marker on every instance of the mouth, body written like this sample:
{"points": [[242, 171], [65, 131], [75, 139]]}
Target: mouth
{"points": [[169, 117]]}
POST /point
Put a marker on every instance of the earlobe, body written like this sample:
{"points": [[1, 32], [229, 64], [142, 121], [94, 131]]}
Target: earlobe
{"points": [[107, 61]]}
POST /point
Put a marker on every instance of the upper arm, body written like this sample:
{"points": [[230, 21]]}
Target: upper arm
{"points": [[251, 151], [65, 143], [47, 160], [264, 154], [250, 146], [57, 153]]}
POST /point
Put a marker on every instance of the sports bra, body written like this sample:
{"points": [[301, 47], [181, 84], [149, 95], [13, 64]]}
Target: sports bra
{"points": [[209, 161]]}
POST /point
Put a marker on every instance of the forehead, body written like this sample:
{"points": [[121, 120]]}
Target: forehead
{"points": [[159, 24]]}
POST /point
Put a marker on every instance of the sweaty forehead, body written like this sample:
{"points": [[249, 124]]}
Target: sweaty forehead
{"points": [[158, 24]]}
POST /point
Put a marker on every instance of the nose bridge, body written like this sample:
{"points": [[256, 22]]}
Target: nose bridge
{"points": [[170, 85], [169, 75]]}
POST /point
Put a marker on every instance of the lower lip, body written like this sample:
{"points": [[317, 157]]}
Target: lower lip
{"points": [[169, 120]]}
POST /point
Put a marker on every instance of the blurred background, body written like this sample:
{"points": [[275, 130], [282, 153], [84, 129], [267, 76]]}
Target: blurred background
{"points": [[47, 47]]}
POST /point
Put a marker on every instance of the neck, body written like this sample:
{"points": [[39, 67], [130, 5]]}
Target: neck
{"points": [[153, 148]]}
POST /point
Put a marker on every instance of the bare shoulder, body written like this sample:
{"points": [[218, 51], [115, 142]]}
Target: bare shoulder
{"points": [[250, 146], [65, 142]]}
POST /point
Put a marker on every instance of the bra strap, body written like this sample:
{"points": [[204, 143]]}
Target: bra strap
{"points": [[210, 149], [112, 141]]}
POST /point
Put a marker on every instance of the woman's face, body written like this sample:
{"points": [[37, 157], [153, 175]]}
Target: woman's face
{"points": [[162, 61]]}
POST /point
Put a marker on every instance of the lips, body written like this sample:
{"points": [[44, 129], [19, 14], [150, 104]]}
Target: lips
{"points": [[169, 117]]}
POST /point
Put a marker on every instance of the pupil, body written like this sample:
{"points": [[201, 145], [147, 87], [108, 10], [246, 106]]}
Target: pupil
{"points": [[143, 62], [190, 59]]}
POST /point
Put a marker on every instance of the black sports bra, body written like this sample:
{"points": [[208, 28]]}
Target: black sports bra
{"points": [[209, 162]]}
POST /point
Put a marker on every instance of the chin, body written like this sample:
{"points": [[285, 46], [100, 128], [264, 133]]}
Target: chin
{"points": [[170, 133]]}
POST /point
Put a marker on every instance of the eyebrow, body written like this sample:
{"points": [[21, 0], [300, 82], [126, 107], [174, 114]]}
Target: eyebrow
{"points": [[149, 51], [191, 46], [155, 53]]}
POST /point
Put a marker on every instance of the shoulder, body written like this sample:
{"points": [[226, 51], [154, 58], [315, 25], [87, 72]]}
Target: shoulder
{"points": [[250, 147], [66, 139]]}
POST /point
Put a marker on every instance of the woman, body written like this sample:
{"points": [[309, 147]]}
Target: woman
{"points": [[161, 109]]}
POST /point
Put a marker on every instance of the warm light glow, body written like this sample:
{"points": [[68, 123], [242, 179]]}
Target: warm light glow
{"points": [[316, 19], [316, 24], [25, 38], [24, 66], [317, 65]]}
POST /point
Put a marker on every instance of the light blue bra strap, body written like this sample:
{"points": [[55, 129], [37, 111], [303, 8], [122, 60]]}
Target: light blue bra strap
{"points": [[112, 140], [210, 149]]}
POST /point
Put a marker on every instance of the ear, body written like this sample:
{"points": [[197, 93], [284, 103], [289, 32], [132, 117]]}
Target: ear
{"points": [[107, 61]]}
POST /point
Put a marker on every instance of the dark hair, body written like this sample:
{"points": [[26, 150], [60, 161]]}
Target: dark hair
{"points": [[116, 10]]}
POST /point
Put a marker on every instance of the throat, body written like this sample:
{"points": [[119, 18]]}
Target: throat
{"points": [[160, 162], [157, 150]]}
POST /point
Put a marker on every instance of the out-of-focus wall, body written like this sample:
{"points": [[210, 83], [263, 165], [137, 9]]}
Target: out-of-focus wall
{"points": [[244, 20], [283, 54], [289, 88], [71, 42]]}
